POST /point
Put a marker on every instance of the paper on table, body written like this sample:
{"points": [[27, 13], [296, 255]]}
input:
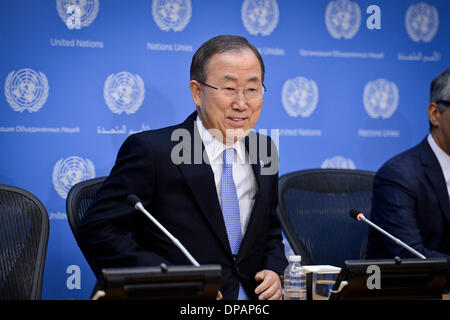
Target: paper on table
{"points": [[321, 269]]}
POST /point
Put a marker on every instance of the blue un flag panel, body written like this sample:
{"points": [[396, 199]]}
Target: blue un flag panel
{"points": [[348, 84]]}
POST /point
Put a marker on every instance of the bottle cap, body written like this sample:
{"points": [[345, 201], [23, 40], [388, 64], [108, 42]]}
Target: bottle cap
{"points": [[295, 258]]}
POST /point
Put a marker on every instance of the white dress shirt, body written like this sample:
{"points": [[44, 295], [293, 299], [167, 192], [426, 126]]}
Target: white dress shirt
{"points": [[443, 158], [243, 176]]}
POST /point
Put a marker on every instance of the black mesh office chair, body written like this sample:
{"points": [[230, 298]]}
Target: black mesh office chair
{"points": [[313, 209], [79, 199], [24, 229]]}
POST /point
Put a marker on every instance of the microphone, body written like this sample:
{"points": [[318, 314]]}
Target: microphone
{"points": [[358, 215], [134, 201]]}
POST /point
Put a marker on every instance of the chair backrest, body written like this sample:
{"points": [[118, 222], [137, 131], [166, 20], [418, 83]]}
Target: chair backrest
{"points": [[24, 229], [313, 209], [79, 199]]}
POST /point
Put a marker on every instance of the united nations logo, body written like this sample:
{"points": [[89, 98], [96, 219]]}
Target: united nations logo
{"points": [[26, 90], [68, 172], [172, 14], [422, 22], [380, 98], [338, 162], [260, 16], [124, 92], [300, 96], [77, 13], [343, 18]]}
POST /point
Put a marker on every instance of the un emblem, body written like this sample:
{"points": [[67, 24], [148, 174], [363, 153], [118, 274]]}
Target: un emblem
{"points": [[300, 96], [124, 92], [338, 162], [260, 16], [380, 98], [70, 171], [26, 90], [172, 14], [77, 14], [343, 19], [422, 22]]}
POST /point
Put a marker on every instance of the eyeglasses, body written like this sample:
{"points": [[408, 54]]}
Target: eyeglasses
{"points": [[444, 103], [231, 93]]}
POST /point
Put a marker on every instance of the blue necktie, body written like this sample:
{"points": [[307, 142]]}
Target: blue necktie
{"points": [[230, 209]]}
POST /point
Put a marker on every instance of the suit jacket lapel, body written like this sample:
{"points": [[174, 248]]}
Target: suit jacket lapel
{"points": [[252, 147], [434, 172], [200, 178]]}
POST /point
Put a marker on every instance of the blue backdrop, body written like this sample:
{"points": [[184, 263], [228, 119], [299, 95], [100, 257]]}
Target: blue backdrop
{"points": [[348, 87]]}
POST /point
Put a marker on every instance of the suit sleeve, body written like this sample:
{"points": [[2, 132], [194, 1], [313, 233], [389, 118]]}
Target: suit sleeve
{"points": [[394, 209], [275, 258], [104, 235]]}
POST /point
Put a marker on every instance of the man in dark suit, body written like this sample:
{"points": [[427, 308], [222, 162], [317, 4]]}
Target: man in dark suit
{"points": [[221, 215], [411, 191]]}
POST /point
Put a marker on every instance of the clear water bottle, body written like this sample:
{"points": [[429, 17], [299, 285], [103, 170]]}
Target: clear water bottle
{"points": [[294, 283]]}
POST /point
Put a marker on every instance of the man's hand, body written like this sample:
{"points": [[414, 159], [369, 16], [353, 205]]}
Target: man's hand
{"points": [[219, 296], [270, 287]]}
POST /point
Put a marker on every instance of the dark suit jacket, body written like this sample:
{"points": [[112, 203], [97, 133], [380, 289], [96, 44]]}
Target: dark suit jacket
{"points": [[410, 201], [183, 198]]}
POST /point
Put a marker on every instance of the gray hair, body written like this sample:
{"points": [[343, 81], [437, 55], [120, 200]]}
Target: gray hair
{"points": [[220, 44], [440, 89]]}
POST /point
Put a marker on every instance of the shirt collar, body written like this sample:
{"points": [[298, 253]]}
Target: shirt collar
{"points": [[215, 148], [443, 158]]}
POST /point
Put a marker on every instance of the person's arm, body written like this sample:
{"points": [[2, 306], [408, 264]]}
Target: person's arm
{"points": [[269, 282], [268, 279], [104, 235], [274, 258]]}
